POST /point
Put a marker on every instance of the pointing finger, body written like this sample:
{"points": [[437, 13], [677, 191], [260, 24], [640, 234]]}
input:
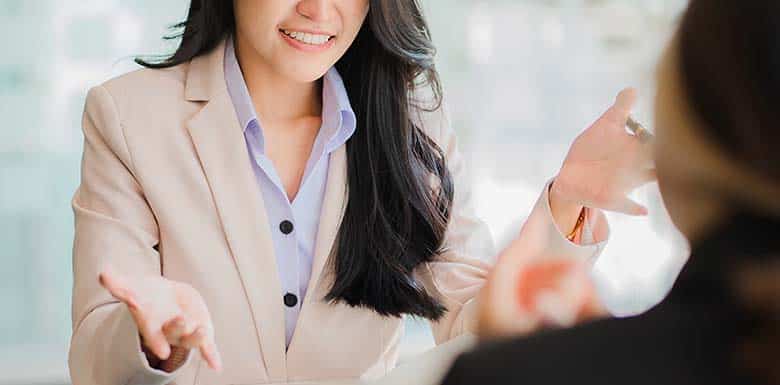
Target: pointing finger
{"points": [[621, 109], [209, 351], [625, 100]]}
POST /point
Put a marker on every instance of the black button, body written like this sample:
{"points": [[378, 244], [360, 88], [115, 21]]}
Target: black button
{"points": [[290, 299], [286, 227]]}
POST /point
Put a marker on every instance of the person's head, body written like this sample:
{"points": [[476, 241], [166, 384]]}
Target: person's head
{"points": [[717, 118], [716, 113], [300, 40], [400, 189]]}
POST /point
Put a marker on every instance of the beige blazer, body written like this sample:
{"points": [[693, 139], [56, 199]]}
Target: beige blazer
{"points": [[167, 189]]}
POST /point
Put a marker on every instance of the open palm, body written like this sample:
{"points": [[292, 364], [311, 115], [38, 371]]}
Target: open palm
{"points": [[171, 316]]}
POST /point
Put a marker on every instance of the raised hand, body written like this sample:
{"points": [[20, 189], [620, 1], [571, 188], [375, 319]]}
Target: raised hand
{"points": [[171, 316], [523, 297], [605, 163]]}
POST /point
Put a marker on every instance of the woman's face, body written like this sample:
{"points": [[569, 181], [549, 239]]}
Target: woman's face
{"points": [[299, 39]]}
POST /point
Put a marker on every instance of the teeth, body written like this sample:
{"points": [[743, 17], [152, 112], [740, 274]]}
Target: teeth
{"points": [[307, 38]]}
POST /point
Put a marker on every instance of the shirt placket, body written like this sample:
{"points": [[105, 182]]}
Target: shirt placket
{"points": [[282, 226]]}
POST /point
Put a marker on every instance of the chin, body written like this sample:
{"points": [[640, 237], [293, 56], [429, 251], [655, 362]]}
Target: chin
{"points": [[302, 72]]}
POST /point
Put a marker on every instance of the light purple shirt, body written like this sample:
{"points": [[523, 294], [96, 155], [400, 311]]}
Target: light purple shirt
{"points": [[294, 251]]}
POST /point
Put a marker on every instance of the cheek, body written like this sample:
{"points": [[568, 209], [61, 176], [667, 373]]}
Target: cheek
{"points": [[256, 19], [354, 14]]}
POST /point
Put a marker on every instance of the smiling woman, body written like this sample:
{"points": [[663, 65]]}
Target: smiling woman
{"points": [[319, 88], [379, 70], [282, 200]]}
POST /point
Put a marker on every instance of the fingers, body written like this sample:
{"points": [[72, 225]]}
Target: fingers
{"points": [[643, 177], [560, 293], [176, 328], [645, 155], [151, 332], [593, 307], [537, 278], [622, 107], [209, 351], [194, 339], [191, 336], [625, 101], [154, 338], [117, 285], [630, 207], [186, 334], [557, 309]]}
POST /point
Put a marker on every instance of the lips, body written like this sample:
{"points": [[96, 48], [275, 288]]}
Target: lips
{"points": [[305, 37]]}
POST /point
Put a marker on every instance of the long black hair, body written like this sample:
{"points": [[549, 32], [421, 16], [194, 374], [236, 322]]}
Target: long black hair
{"points": [[400, 190]]}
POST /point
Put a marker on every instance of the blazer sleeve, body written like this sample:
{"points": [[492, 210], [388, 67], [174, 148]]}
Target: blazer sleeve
{"points": [[113, 225], [458, 274]]}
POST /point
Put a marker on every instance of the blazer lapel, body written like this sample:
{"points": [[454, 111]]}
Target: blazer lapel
{"points": [[333, 206], [221, 148]]}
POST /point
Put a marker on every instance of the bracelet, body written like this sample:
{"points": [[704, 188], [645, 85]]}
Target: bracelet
{"points": [[176, 359], [577, 226]]}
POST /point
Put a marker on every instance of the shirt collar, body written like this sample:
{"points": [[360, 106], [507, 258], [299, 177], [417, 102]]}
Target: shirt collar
{"points": [[338, 118]]}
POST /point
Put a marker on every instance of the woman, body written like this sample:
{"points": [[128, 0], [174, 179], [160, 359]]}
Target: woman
{"points": [[719, 173], [283, 188]]}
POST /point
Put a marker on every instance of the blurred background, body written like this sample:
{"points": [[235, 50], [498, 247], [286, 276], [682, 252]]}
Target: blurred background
{"points": [[522, 79]]}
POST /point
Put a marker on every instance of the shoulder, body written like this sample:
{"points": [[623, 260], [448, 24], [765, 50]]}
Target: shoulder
{"points": [[144, 81], [137, 107], [141, 91]]}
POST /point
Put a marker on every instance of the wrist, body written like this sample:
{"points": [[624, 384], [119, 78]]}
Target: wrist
{"points": [[151, 358], [567, 214]]}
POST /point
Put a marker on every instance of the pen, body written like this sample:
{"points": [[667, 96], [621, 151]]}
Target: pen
{"points": [[639, 130]]}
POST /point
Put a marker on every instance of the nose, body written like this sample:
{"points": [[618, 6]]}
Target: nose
{"points": [[315, 10]]}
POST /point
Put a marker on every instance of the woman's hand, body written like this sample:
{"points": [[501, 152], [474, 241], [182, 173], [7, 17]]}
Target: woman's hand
{"points": [[171, 316], [523, 297], [525, 293], [603, 165]]}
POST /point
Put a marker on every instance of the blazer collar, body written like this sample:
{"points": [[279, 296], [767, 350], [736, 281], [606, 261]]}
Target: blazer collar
{"points": [[205, 76]]}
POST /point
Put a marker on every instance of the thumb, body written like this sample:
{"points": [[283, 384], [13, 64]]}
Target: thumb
{"points": [[117, 285]]}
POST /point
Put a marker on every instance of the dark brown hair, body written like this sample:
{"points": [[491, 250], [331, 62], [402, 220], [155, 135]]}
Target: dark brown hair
{"points": [[729, 62], [395, 219]]}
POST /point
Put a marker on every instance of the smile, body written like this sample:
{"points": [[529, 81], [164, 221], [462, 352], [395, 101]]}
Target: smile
{"points": [[308, 38]]}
